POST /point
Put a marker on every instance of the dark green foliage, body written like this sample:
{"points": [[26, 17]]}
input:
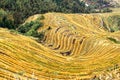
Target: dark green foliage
{"points": [[18, 18], [31, 32], [25, 28], [12, 31], [106, 10], [70, 6], [6, 20], [40, 36], [30, 29], [113, 40]]}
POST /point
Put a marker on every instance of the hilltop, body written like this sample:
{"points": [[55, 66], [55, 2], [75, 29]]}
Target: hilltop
{"points": [[75, 46]]}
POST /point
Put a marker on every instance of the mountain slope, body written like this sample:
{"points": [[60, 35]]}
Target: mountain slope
{"points": [[76, 47]]}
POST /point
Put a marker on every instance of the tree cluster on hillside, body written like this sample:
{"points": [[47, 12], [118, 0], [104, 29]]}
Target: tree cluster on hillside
{"points": [[6, 20]]}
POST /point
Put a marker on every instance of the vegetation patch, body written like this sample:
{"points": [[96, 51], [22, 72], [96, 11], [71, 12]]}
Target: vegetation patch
{"points": [[106, 10], [113, 40], [114, 23], [6, 20], [30, 29]]}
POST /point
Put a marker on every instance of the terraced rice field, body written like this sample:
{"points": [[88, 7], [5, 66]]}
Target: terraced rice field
{"points": [[75, 48]]}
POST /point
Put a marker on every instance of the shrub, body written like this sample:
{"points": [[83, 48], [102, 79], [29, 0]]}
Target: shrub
{"points": [[113, 40], [7, 23], [24, 28], [106, 10], [30, 29], [36, 25], [40, 36], [31, 32], [33, 25]]}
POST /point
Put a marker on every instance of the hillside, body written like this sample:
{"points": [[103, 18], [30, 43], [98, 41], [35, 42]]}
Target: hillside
{"points": [[103, 3], [78, 46], [117, 1]]}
